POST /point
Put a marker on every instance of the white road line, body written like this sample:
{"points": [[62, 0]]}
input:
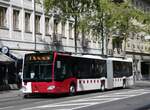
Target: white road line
{"points": [[132, 91], [63, 109], [83, 106], [86, 102], [94, 104], [103, 102], [6, 107], [96, 99], [92, 99], [122, 93], [57, 105]]}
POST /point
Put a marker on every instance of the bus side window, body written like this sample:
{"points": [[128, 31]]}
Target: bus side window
{"points": [[69, 70], [36, 70], [116, 69], [75, 70], [64, 70]]}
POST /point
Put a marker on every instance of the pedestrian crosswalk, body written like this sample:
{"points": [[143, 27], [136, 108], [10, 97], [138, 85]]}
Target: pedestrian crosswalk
{"points": [[90, 101]]}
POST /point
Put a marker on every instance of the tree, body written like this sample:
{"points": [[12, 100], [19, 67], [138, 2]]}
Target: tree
{"points": [[146, 28], [99, 17], [126, 15], [115, 17], [99, 21], [69, 9], [146, 22]]}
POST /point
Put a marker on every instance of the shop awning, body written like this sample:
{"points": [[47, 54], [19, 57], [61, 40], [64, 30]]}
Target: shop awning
{"points": [[5, 58], [18, 54]]}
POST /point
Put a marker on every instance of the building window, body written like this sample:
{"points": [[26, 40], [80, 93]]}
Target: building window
{"points": [[55, 26], [70, 30], [138, 46], [63, 28], [133, 46], [16, 20], [3, 17], [27, 22], [47, 27], [37, 22], [128, 44], [148, 9], [141, 46], [145, 47]]}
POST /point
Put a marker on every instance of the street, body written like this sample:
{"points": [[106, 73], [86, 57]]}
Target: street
{"points": [[135, 98]]}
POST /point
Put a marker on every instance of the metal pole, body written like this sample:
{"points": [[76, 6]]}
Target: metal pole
{"points": [[75, 34], [102, 32], [34, 23]]}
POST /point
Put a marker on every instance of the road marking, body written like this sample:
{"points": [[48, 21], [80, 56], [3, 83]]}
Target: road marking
{"points": [[6, 107], [63, 109], [90, 101], [57, 105]]}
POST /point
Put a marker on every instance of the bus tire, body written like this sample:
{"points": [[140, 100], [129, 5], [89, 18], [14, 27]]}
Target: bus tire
{"points": [[103, 87], [72, 90], [26, 96]]}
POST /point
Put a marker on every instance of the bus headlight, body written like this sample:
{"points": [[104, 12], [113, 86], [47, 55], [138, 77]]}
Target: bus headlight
{"points": [[51, 87]]}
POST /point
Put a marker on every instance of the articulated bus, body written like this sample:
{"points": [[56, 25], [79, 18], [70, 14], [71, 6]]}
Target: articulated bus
{"points": [[58, 72]]}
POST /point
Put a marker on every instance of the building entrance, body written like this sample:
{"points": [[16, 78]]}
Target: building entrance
{"points": [[145, 70]]}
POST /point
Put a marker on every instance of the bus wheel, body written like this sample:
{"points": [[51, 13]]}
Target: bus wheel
{"points": [[72, 90], [26, 96], [103, 87]]}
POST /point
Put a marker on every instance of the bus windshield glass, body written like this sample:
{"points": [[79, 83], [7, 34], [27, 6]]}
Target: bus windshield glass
{"points": [[36, 68]]}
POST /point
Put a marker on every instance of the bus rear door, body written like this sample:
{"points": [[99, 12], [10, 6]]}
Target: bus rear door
{"points": [[109, 74]]}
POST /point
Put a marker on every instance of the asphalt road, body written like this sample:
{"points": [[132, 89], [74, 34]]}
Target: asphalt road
{"points": [[136, 98]]}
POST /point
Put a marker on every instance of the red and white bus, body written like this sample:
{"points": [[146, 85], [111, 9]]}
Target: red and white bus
{"points": [[57, 73]]}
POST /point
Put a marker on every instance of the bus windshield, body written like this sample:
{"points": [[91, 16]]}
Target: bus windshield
{"points": [[37, 71]]}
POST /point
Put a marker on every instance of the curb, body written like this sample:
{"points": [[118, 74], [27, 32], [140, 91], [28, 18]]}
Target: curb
{"points": [[8, 87], [10, 94]]}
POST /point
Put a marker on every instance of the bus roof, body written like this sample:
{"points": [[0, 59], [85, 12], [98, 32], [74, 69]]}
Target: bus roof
{"points": [[89, 57], [120, 59]]}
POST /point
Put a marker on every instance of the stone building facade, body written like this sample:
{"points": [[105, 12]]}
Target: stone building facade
{"points": [[25, 28]]}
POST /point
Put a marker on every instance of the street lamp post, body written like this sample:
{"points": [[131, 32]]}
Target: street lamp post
{"points": [[34, 23], [75, 35]]}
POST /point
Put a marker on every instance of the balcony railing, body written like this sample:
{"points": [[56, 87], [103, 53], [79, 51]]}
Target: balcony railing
{"points": [[57, 38], [110, 52]]}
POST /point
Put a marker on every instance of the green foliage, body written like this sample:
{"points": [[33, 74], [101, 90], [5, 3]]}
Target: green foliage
{"points": [[146, 22], [101, 17], [68, 7], [125, 14]]}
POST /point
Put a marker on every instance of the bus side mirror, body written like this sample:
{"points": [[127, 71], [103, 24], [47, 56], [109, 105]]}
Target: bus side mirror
{"points": [[58, 64]]}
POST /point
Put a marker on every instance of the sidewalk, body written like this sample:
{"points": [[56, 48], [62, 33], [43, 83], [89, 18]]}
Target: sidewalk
{"points": [[6, 87], [16, 93], [10, 94], [142, 83]]}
